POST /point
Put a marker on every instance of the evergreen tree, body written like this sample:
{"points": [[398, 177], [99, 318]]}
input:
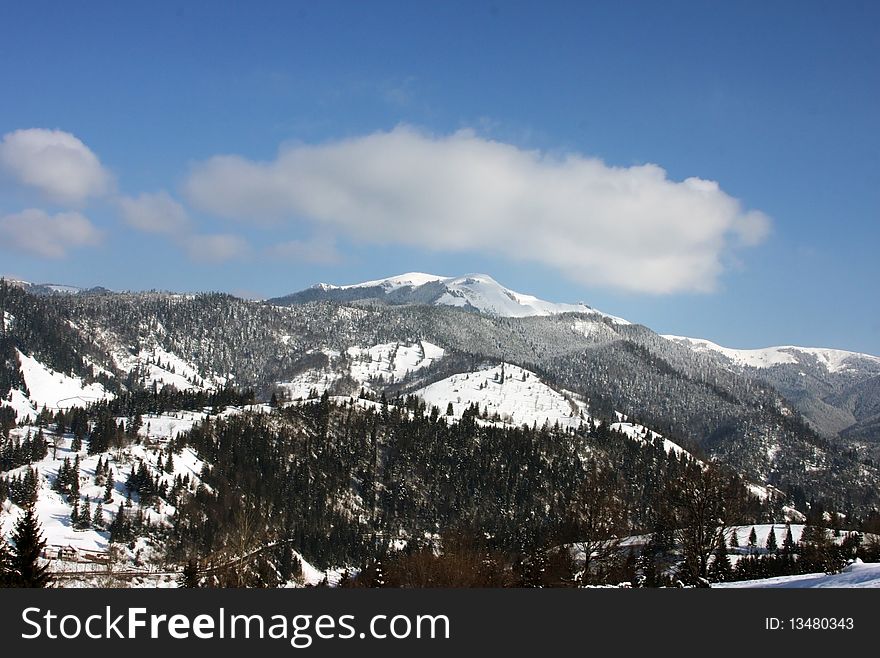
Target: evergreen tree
{"points": [[98, 518], [119, 529], [771, 541], [788, 545], [753, 541], [721, 570], [29, 543], [85, 516], [108, 489]]}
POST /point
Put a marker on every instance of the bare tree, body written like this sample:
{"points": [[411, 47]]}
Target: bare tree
{"points": [[699, 499], [599, 520]]}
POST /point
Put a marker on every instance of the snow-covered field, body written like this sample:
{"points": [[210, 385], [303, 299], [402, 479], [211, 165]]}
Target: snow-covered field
{"points": [[857, 574]]}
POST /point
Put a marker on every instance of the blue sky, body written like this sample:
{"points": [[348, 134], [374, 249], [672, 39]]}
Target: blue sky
{"points": [[369, 139]]}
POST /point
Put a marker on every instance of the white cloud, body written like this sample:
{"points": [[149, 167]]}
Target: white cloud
{"points": [[56, 163], [629, 228], [317, 251], [48, 236], [216, 248], [154, 213]]}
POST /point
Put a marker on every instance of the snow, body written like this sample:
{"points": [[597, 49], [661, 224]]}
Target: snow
{"points": [[170, 425], [486, 294], [479, 291], [413, 279], [158, 365], [392, 361], [856, 575], [56, 390], [832, 360], [642, 433], [762, 531], [55, 287], [20, 404], [301, 386], [522, 398]]}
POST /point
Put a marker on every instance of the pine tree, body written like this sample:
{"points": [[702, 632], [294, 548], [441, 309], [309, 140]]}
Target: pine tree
{"points": [[85, 516], [721, 569], [98, 518], [119, 529], [788, 545], [771, 541], [108, 490], [29, 543], [753, 541]]}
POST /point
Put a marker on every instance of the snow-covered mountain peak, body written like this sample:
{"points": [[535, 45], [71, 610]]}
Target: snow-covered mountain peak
{"points": [[474, 291], [410, 279]]}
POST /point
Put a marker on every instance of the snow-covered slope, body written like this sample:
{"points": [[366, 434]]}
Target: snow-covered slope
{"points": [[387, 362], [517, 395], [154, 364], [832, 360], [392, 361], [474, 291], [51, 389]]}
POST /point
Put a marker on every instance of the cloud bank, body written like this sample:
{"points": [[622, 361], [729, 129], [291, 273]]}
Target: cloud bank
{"points": [[47, 236], [628, 228], [56, 163]]}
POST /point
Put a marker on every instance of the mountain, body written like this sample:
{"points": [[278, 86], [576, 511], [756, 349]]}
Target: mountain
{"points": [[837, 392], [375, 414], [474, 292], [392, 345], [831, 360]]}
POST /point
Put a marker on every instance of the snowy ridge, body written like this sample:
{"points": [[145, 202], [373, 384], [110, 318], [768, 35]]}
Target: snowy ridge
{"points": [[476, 291], [516, 395], [412, 279], [831, 359], [641, 433]]}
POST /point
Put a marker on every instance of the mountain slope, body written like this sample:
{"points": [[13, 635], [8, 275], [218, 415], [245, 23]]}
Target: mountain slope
{"points": [[835, 390]]}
